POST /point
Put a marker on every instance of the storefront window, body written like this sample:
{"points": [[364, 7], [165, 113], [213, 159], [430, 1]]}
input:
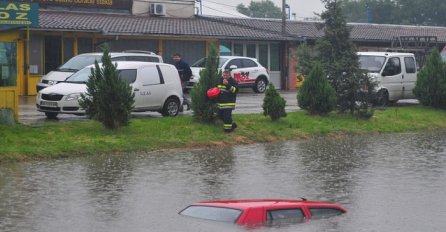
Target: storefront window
{"points": [[251, 50], [263, 55], [35, 55], [238, 49], [8, 64], [68, 44], [275, 57], [84, 45], [225, 48]]}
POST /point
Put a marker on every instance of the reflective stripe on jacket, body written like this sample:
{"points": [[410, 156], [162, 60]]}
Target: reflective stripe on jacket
{"points": [[228, 94]]}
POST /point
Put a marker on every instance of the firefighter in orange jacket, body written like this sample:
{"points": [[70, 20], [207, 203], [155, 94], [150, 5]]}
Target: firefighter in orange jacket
{"points": [[226, 100]]}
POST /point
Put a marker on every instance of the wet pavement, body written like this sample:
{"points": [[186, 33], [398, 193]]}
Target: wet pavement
{"points": [[247, 103]]}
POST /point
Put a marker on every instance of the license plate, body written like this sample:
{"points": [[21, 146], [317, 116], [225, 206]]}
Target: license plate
{"points": [[48, 103]]}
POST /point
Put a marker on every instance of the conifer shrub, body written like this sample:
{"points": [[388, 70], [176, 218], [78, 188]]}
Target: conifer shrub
{"points": [[109, 99], [204, 110], [430, 87], [273, 103], [316, 94]]}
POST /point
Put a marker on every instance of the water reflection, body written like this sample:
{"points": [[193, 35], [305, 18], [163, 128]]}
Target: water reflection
{"points": [[385, 181]]}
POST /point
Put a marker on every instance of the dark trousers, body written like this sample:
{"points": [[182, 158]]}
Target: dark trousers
{"points": [[226, 116]]}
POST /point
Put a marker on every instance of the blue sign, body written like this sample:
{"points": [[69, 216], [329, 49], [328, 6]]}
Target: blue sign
{"points": [[18, 14]]}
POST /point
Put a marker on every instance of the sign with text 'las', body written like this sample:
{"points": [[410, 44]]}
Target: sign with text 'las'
{"points": [[18, 14]]}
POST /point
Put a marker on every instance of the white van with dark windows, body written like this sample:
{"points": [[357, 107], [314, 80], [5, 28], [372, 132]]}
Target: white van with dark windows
{"points": [[395, 74], [157, 87]]}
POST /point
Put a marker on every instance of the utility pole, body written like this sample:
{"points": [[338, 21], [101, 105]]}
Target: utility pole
{"points": [[283, 18]]}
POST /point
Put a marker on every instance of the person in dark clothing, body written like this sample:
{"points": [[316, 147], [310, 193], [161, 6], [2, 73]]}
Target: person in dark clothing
{"points": [[185, 74], [226, 100]]}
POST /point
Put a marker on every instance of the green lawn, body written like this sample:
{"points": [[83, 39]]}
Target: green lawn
{"points": [[63, 139]]}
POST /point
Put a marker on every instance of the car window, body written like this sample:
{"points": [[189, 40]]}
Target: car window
{"points": [[393, 67], [201, 63], [236, 62], [371, 63], [79, 62], [128, 75], [279, 216], [149, 76], [410, 64], [317, 213], [212, 213], [247, 63], [80, 77]]}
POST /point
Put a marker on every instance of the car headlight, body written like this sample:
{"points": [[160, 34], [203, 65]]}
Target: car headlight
{"points": [[52, 82], [73, 97]]}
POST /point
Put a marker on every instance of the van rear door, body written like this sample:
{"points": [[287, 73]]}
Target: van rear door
{"points": [[149, 88]]}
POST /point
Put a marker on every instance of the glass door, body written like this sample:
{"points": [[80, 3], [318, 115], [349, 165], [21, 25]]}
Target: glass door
{"points": [[8, 64]]}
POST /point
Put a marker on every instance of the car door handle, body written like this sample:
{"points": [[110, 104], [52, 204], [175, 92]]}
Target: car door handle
{"points": [[136, 89]]}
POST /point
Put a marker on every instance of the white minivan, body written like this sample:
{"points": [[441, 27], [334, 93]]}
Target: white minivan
{"points": [[157, 87], [81, 61], [395, 74]]}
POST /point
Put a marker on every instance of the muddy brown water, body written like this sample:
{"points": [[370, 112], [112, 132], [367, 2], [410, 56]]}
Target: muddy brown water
{"points": [[391, 182]]}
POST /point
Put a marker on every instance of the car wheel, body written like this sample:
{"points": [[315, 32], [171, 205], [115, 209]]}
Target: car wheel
{"points": [[171, 107], [382, 98], [260, 85], [51, 115]]}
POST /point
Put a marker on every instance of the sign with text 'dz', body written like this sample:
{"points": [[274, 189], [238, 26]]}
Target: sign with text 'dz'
{"points": [[18, 14]]}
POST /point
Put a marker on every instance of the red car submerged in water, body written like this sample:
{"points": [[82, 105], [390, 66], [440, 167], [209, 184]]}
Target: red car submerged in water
{"points": [[262, 211]]}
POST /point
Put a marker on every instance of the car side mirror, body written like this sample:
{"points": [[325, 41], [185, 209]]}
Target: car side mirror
{"points": [[232, 67]]}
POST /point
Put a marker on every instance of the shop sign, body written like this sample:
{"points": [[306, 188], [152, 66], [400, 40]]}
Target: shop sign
{"points": [[18, 14], [104, 4]]}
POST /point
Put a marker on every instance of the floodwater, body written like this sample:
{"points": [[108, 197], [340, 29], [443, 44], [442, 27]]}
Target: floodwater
{"points": [[391, 182]]}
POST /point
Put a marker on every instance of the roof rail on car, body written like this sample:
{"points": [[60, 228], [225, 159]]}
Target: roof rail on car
{"points": [[139, 51]]}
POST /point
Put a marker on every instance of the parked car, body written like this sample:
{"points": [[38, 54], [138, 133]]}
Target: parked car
{"points": [[80, 61], [248, 72], [395, 74], [157, 87], [262, 211]]}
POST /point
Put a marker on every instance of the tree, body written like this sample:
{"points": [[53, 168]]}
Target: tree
{"points": [[339, 60], [430, 87], [316, 94], [109, 99], [203, 108], [260, 9], [409, 12], [273, 103], [305, 59]]}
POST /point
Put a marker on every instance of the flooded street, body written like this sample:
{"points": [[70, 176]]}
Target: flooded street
{"points": [[392, 182]]}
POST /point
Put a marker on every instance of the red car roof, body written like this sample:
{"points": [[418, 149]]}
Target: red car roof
{"points": [[245, 204]]}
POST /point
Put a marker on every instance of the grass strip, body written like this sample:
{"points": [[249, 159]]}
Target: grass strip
{"points": [[73, 138]]}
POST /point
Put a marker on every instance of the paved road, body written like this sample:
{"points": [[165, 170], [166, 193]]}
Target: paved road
{"points": [[247, 102]]}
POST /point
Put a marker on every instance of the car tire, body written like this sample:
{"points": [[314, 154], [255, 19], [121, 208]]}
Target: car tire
{"points": [[51, 115], [382, 98], [171, 107], [260, 85]]}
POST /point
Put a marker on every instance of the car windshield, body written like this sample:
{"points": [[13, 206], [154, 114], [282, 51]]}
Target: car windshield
{"points": [[212, 213], [201, 63], [128, 75], [79, 62], [371, 63]]}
